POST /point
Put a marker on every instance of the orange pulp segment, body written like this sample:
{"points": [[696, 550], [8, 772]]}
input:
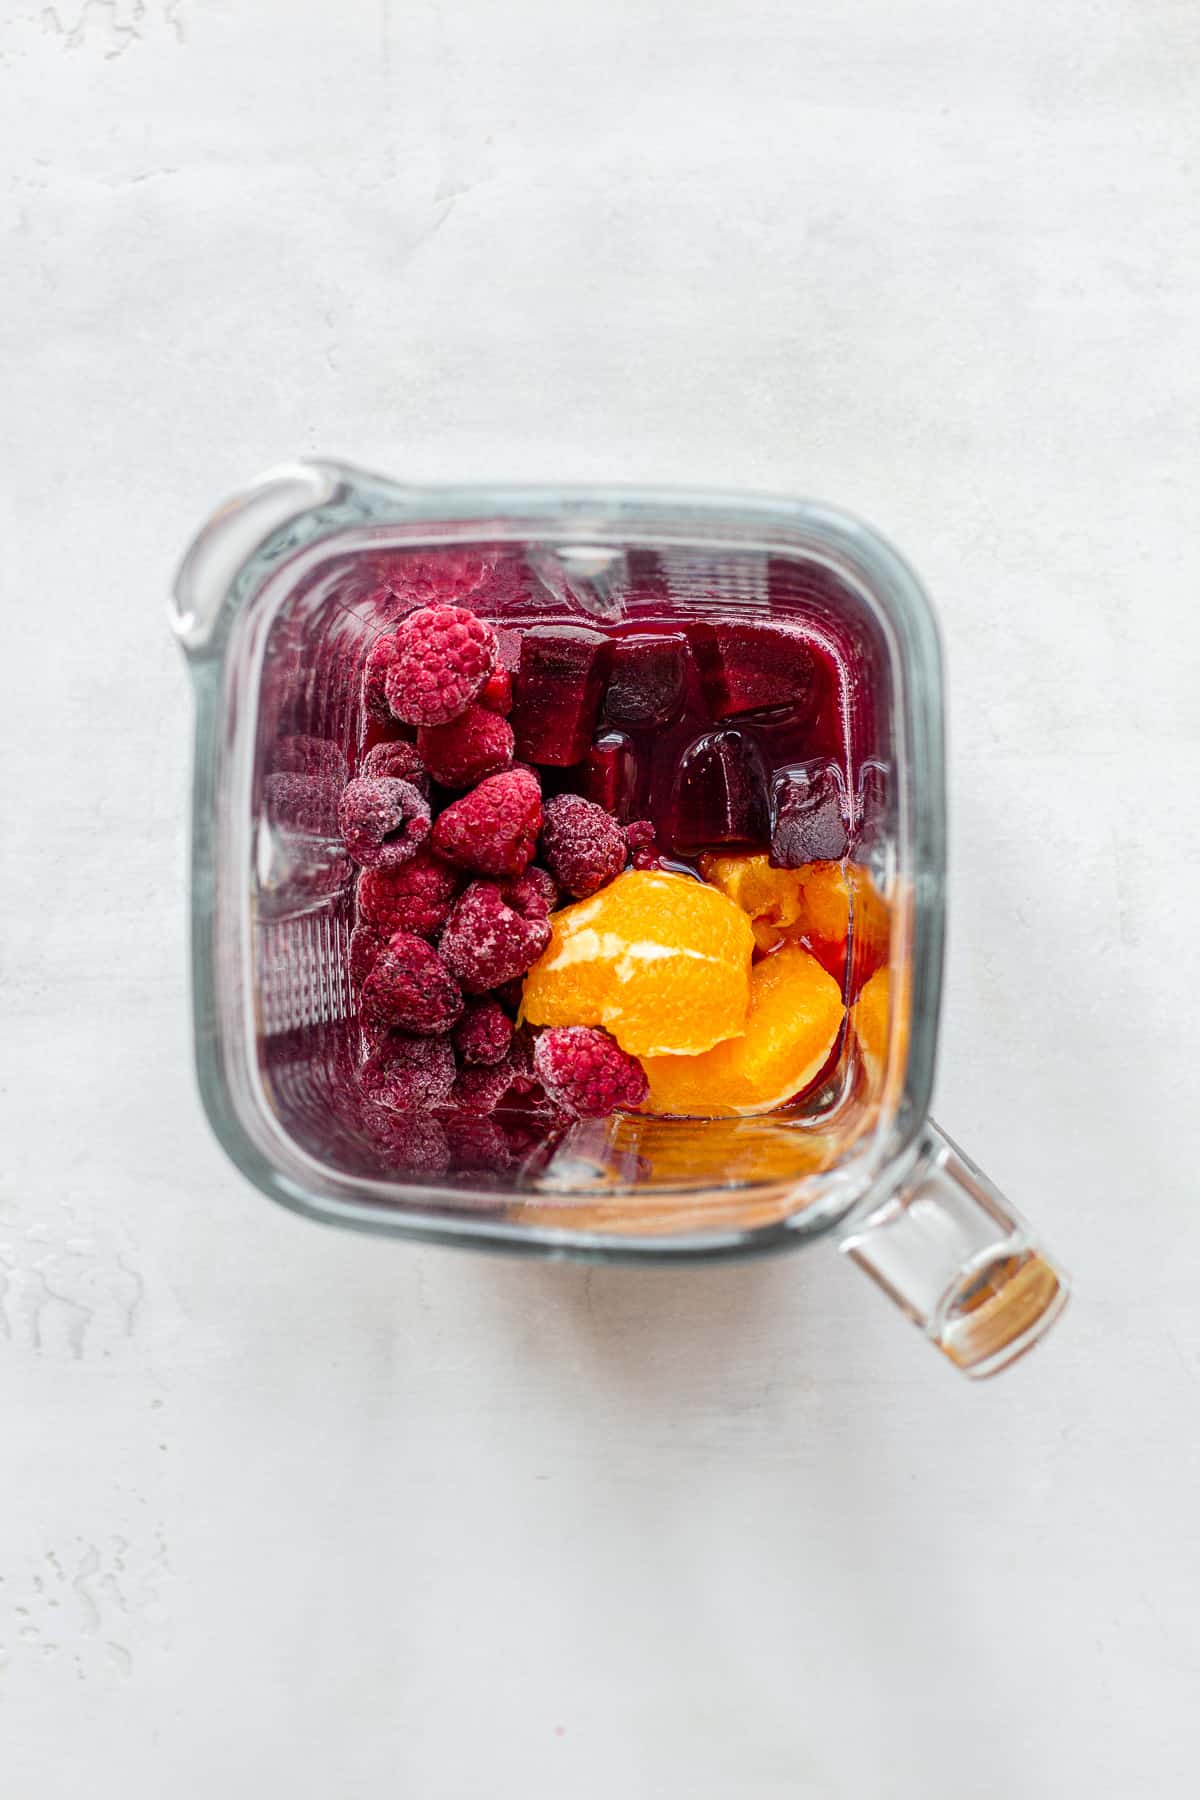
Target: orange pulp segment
{"points": [[810, 903], [870, 1016], [830, 889], [661, 961], [773, 896], [793, 1023]]}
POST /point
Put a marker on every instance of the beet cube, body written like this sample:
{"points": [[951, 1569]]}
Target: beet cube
{"points": [[755, 666], [808, 816], [610, 775], [649, 674], [556, 693], [721, 793]]}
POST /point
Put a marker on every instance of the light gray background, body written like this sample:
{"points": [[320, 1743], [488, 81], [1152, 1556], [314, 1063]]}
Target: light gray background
{"points": [[287, 1512]]}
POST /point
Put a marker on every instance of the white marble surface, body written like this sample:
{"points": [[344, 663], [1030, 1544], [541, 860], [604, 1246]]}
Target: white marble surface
{"points": [[287, 1512]]}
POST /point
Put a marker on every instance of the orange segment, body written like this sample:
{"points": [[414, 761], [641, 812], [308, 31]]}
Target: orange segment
{"points": [[811, 904], [881, 1025], [870, 1016], [772, 896], [829, 889], [794, 1019], [659, 960]]}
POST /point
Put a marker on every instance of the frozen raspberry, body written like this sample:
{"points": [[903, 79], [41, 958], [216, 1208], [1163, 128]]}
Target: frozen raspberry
{"points": [[497, 693], [534, 894], [494, 828], [643, 844], [410, 988], [586, 1072], [383, 821], [510, 994], [409, 1074], [487, 941], [443, 656], [421, 578], [379, 660], [396, 762], [305, 804], [309, 756], [365, 944], [477, 1142], [416, 897], [484, 1032], [476, 744], [407, 1143], [583, 846], [482, 1088]]}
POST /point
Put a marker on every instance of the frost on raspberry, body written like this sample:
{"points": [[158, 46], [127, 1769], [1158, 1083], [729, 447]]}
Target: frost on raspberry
{"points": [[482, 1088], [443, 657], [365, 944], [416, 897], [585, 1071], [396, 762], [493, 830], [409, 1074], [534, 894], [476, 744], [383, 821], [410, 988], [583, 846], [487, 942], [405, 1143], [484, 1033]]}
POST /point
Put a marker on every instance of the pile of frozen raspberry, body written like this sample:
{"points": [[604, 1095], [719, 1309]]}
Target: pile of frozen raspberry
{"points": [[452, 909]]}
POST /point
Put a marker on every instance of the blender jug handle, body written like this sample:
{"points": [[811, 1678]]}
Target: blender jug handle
{"points": [[954, 1255]]}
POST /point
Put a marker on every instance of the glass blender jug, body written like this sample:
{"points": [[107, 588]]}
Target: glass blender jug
{"points": [[275, 606]]}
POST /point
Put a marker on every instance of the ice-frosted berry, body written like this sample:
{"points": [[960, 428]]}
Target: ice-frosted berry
{"points": [[443, 656], [493, 829], [410, 988], [587, 1072], [383, 821], [583, 846]]}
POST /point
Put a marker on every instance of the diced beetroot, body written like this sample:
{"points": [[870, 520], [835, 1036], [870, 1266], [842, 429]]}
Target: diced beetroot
{"points": [[649, 674], [721, 793], [556, 692], [755, 666], [610, 774], [808, 816]]}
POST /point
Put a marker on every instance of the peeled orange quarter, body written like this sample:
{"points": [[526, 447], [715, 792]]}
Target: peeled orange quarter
{"points": [[662, 962], [760, 890], [793, 1023], [812, 903], [830, 891]]}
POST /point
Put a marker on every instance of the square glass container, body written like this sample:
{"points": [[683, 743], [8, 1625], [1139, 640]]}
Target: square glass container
{"points": [[276, 605]]}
